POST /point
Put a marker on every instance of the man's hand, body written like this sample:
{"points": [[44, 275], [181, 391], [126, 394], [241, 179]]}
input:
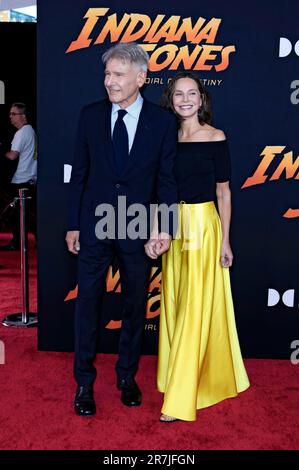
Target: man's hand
{"points": [[72, 240]]}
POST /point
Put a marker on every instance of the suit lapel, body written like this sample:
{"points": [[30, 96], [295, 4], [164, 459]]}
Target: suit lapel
{"points": [[107, 133]]}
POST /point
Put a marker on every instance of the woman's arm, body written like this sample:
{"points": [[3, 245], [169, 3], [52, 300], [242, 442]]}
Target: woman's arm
{"points": [[224, 206]]}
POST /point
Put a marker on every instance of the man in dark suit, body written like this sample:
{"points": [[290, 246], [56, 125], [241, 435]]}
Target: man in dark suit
{"points": [[125, 146]]}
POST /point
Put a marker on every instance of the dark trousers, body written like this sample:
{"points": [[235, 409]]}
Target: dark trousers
{"points": [[134, 267], [30, 211]]}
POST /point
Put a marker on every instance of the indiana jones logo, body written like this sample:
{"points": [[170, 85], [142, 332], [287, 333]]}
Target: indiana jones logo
{"points": [[113, 285], [286, 169], [161, 37]]}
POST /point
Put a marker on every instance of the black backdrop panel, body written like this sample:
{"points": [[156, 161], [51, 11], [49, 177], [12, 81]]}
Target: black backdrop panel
{"points": [[238, 58]]}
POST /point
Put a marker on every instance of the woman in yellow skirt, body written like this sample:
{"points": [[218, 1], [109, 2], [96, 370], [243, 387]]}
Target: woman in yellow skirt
{"points": [[200, 361]]}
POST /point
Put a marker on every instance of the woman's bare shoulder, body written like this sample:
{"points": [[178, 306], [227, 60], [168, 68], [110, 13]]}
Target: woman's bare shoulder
{"points": [[217, 134]]}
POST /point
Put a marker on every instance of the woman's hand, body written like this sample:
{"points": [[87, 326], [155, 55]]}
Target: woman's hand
{"points": [[226, 255]]}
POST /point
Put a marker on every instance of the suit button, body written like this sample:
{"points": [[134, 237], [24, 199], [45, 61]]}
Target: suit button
{"points": [[117, 185]]}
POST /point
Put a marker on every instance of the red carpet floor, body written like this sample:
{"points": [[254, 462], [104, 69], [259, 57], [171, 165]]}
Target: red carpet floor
{"points": [[36, 394]]}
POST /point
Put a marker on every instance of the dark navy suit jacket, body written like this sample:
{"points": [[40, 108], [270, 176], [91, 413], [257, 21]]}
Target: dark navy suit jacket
{"points": [[148, 175]]}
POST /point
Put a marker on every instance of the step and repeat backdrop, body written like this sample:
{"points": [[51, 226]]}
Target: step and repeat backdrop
{"points": [[248, 58]]}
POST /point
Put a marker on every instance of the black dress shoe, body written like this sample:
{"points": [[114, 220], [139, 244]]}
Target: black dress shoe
{"points": [[10, 247], [84, 404], [130, 392]]}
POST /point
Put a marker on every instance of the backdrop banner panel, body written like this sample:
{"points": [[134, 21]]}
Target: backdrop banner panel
{"points": [[248, 59]]}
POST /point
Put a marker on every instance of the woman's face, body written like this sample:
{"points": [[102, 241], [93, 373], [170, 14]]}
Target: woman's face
{"points": [[186, 98]]}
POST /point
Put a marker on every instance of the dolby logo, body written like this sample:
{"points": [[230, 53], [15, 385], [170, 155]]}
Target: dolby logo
{"points": [[287, 297], [285, 47]]}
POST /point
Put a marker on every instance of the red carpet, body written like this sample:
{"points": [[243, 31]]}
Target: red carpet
{"points": [[36, 393]]}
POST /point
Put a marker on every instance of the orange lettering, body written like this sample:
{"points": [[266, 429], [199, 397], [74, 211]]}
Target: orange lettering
{"points": [[225, 58], [113, 28], [288, 165], [206, 55], [83, 39], [259, 176], [186, 58], [129, 35]]}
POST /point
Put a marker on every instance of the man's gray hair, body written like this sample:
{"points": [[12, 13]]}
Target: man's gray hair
{"points": [[127, 52]]}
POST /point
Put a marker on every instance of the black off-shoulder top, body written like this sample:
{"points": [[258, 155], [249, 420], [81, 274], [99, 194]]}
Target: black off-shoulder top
{"points": [[198, 167]]}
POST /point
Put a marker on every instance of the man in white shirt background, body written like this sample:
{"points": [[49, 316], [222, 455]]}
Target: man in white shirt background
{"points": [[23, 147]]}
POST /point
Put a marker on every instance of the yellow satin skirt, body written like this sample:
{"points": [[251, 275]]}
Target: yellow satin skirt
{"points": [[199, 362]]}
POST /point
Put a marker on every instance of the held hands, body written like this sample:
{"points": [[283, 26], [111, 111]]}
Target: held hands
{"points": [[226, 255], [72, 240], [158, 245]]}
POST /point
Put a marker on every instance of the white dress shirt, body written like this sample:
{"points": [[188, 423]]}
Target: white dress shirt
{"points": [[130, 119]]}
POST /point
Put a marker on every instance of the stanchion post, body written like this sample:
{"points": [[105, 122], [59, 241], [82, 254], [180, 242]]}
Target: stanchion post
{"points": [[24, 319]]}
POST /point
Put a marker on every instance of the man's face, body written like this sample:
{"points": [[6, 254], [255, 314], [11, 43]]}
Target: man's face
{"points": [[122, 82], [17, 118]]}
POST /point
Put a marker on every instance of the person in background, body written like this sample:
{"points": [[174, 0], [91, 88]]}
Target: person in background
{"points": [[23, 148]]}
